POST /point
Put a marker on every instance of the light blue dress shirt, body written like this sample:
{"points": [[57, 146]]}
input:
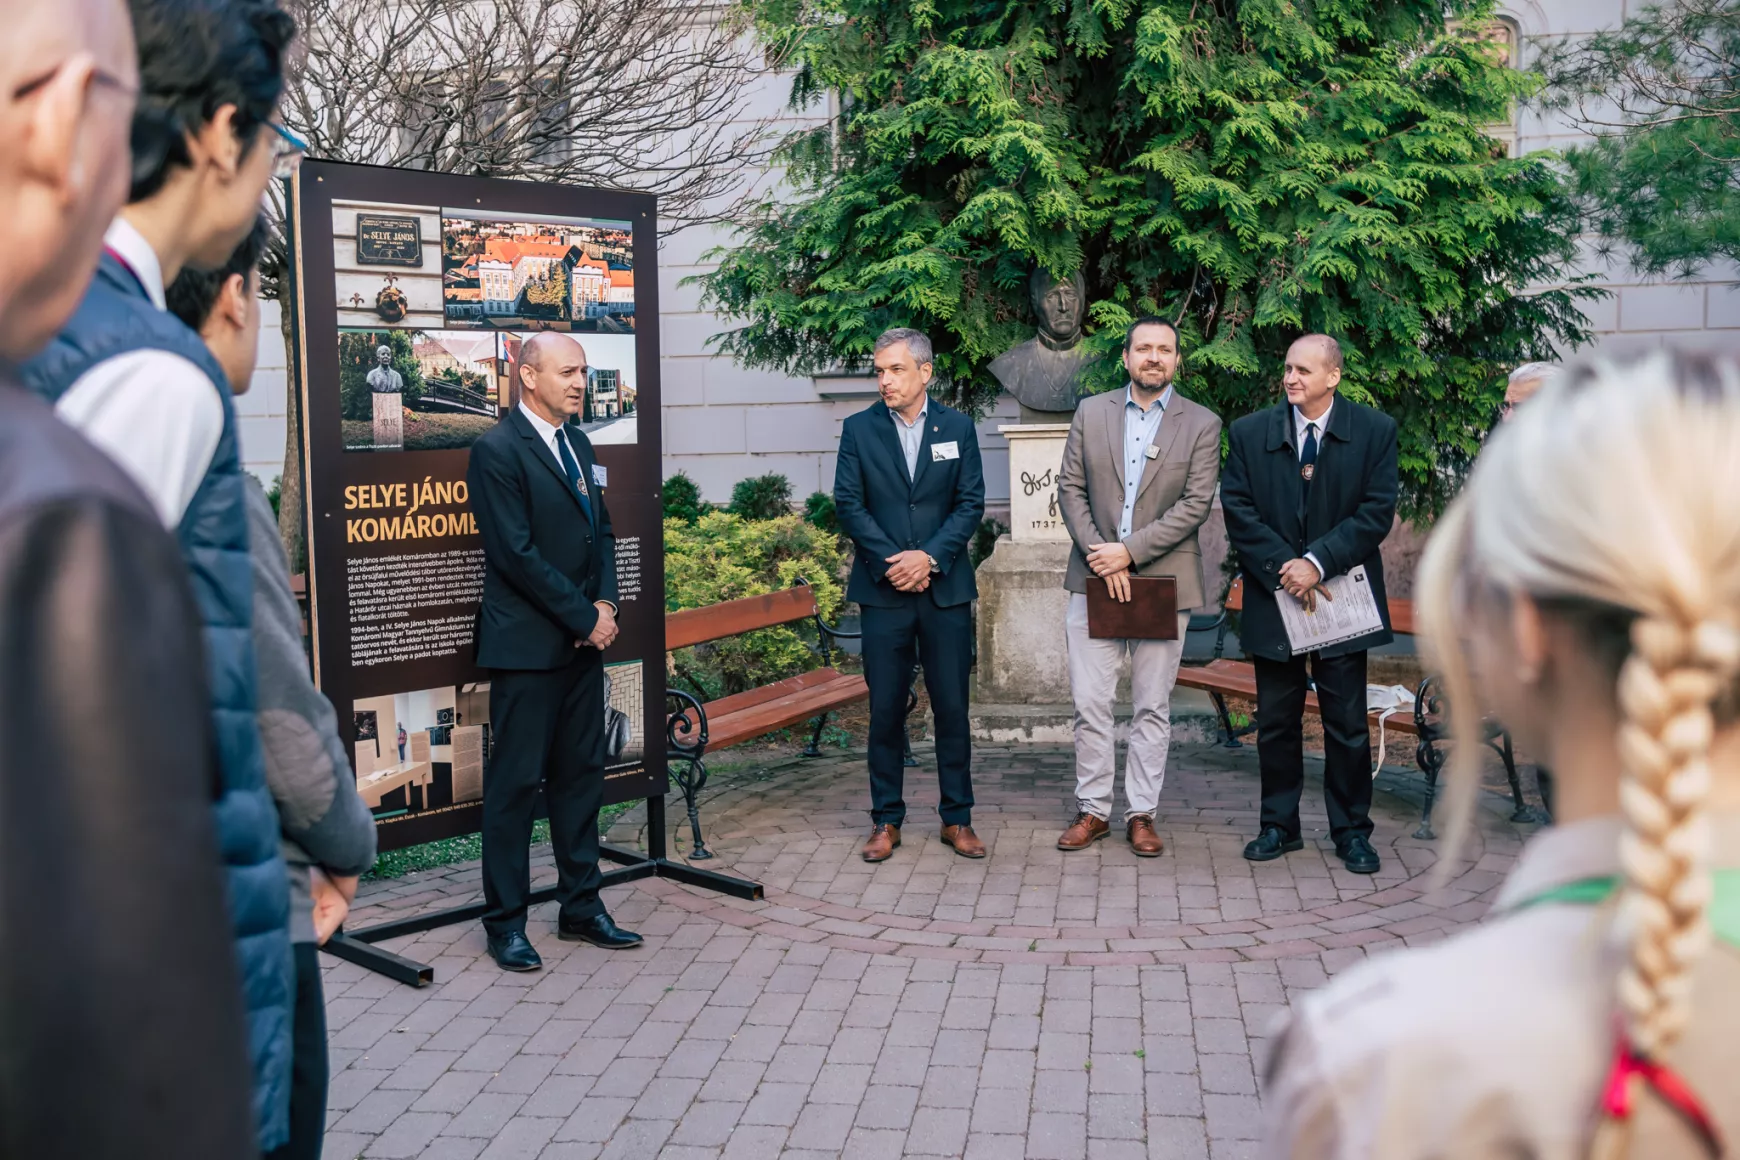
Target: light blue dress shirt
{"points": [[1140, 429], [911, 437]]}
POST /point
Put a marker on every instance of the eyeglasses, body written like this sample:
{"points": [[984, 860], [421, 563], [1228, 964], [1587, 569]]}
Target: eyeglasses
{"points": [[99, 76], [287, 152]]}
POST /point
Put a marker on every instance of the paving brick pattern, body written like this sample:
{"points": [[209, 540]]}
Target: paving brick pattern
{"points": [[1032, 1004]]}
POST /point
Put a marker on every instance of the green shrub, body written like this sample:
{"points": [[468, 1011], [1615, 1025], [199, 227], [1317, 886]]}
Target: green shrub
{"points": [[724, 556], [682, 497], [761, 497], [819, 512], [985, 540]]}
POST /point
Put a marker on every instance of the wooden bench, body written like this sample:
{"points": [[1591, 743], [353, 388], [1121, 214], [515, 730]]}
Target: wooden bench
{"points": [[693, 727], [1221, 678]]}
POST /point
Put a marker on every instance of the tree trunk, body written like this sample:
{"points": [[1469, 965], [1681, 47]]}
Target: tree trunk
{"points": [[292, 527]]}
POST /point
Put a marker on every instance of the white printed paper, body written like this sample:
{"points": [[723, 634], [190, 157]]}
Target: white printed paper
{"points": [[1352, 613], [942, 451], [600, 476]]}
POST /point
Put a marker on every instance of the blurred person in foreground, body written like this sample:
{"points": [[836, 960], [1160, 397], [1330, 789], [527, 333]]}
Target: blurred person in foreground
{"points": [[1584, 590], [328, 833], [121, 1027], [144, 388]]}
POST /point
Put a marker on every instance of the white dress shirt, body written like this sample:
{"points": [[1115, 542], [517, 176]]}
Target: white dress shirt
{"points": [[911, 437], [156, 414], [1302, 427], [1140, 430]]}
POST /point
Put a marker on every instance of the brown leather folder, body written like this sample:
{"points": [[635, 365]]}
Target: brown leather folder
{"points": [[1151, 614]]}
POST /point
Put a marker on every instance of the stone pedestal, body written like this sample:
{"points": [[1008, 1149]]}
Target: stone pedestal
{"points": [[1035, 461], [389, 420]]}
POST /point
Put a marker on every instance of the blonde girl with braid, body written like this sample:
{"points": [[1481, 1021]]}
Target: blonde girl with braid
{"points": [[1584, 590]]}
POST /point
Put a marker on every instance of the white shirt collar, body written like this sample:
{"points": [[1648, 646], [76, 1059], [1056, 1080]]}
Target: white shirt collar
{"points": [[1130, 397], [1300, 422], [546, 431], [134, 250]]}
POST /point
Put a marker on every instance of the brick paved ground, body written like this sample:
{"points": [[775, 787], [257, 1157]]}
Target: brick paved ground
{"points": [[1033, 1004]]}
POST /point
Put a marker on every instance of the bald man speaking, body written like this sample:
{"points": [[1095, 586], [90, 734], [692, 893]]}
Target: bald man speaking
{"points": [[1309, 493], [549, 612]]}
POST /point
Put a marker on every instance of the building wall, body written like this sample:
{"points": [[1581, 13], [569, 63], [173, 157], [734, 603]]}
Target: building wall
{"points": [[724, 422]]}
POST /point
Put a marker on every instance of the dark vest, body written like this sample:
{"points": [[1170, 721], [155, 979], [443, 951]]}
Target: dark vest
{"points": [[116, 318]]}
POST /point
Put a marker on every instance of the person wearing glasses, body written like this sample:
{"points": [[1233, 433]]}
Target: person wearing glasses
{"points": [[143, 387]]}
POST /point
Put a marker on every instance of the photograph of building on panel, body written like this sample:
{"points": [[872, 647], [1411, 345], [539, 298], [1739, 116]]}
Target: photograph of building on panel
{"points": [[537, 273], [607, 411], [422, 750]]}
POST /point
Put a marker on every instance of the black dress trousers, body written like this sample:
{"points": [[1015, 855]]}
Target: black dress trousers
{"points": [[1281, 689], [548, 729], [941, 641]]}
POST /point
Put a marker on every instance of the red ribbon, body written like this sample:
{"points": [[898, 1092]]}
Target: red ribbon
{"points": [[1674, 1091]]}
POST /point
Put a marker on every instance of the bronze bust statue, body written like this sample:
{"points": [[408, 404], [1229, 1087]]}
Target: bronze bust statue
{"points": [[1044, 372]]}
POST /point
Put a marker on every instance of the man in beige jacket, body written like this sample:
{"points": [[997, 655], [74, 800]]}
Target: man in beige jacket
{"points": [[1139, 474]]}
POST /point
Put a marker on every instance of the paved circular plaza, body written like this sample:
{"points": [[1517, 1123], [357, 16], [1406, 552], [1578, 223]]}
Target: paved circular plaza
{"points": [[1030, 1004]]}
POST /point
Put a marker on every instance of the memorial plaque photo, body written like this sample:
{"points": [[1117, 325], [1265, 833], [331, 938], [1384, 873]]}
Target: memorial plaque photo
{"points": [[388, 241]]}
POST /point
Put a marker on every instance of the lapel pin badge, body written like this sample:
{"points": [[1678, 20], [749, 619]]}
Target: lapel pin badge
{"points": [[1152, 452]]}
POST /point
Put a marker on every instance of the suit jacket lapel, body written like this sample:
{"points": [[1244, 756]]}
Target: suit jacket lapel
{"points": [[1114, 436], [883, 425], [1175, 416], [932, 425], [539, 450]]}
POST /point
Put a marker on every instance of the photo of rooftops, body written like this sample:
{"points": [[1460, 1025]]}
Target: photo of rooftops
{"points": [[531, 273]]}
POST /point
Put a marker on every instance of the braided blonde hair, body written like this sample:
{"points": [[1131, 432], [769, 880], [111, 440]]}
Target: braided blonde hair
{"points": [[1617, 490]]}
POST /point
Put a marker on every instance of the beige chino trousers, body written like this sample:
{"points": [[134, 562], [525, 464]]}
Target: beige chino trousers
{"points": [[1093, 682]]}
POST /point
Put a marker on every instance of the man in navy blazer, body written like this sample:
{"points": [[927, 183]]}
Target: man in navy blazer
{"points": [[548, 614], [910, 491]]}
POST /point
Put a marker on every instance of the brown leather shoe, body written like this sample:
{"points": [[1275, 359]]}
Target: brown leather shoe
{"points": [[1144, 842], [1083, 832], [883, 839], [965, 842]]}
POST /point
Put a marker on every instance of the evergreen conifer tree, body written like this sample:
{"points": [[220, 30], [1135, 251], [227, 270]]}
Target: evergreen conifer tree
{"points": [[1254, 168]]}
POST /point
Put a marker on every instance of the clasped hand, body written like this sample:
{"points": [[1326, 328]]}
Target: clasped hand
{"points": [[1112, 563], [909, 571], [603, 633], [1302, 579]]}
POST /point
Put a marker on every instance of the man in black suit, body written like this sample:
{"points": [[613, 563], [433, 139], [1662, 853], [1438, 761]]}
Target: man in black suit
{"points": [[910, 491], [1309, 493], [548, 614]]}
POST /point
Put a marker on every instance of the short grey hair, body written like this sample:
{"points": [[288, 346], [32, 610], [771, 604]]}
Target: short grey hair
{"points": [[917, 341], [1531, 371]]}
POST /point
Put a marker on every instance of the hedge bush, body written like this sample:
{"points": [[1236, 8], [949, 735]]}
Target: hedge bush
{"points": [[723, 556], [761, 497]]}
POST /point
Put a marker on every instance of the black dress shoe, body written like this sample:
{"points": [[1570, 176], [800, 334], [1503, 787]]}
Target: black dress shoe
{"points": [[513, 952], [600, 931], [1358, 856], [1271, 844]]}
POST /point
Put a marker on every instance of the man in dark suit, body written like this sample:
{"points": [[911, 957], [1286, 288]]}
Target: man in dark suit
{"points": [[549, 611], [1309, 493], [910, 491]]}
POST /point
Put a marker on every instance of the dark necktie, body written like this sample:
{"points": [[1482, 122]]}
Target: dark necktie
{"points": [[573, 470], [1308, 454]]}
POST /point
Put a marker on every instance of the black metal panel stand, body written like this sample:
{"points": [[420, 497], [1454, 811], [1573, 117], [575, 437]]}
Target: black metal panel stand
{"points": [[358, 947]]}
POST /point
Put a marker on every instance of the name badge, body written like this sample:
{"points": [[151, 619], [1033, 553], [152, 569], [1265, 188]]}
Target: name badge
{"points": [[942, 451], [1152, 452], [600, 476]]}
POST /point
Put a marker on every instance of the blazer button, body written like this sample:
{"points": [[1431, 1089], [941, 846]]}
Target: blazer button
{"points": [[1269, 567], [911, 507]]}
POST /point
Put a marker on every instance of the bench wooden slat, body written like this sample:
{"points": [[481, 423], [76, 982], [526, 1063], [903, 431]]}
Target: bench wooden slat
{"points": [[1239, 679], [718, 621], [765, 693], [729, 729], [1401, 611]]}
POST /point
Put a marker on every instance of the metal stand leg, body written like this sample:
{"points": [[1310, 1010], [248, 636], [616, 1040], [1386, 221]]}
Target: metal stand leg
{"points": [[354, 946], [1232, 741], [814, 749]]}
